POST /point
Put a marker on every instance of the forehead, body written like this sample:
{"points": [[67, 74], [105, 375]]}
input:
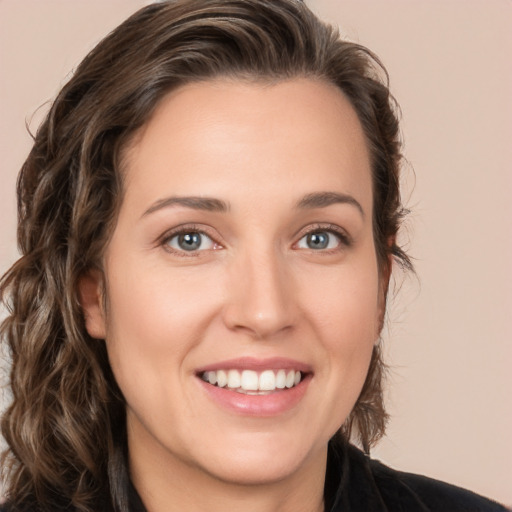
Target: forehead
{"points": [[211, 136]]}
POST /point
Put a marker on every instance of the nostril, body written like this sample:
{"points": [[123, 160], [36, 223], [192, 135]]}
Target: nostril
{"points": [[259, 301]]}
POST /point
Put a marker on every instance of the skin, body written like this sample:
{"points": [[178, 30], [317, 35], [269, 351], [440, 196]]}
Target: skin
{"points": [[255, 288]]}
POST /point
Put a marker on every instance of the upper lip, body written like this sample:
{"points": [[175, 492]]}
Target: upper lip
{"points": [[257, 364]]}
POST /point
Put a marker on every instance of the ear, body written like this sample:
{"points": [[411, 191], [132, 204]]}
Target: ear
{"points": [[90, 292]]}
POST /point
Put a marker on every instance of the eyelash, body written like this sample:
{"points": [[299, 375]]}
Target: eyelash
{"points": [[342, 236], [184, 230]]}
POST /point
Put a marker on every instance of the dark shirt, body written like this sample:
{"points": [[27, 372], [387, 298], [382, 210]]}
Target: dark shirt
{"points": [[356, 483]]}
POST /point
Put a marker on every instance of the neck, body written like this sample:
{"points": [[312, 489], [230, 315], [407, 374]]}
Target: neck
{"points": [[165, 497]]}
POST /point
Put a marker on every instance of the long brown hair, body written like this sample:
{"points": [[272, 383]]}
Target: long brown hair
{"points": [[65, 427]]}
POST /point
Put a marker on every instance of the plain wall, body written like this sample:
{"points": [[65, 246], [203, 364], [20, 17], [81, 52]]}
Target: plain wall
{"points": [[449, 334]]}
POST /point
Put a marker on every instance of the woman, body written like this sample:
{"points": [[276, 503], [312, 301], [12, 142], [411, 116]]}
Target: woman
{"points": [[208, 223]]}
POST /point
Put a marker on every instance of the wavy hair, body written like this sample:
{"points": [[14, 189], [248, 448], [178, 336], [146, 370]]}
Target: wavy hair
{"points": [[65, 426]]}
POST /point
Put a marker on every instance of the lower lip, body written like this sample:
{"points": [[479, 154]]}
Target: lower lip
{"points": [[272, 404]]}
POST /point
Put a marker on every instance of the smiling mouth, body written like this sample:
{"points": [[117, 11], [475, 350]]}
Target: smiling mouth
{"points": [[251, 382]]}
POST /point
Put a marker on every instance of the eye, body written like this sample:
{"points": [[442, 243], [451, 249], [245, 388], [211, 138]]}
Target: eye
{"points": [[319, 240], [190, 241]]}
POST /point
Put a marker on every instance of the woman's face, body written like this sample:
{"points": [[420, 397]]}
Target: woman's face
{"points": [[243, 261]]}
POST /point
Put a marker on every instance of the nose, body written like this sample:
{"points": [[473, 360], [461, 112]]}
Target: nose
{"points": [[260, 297]]}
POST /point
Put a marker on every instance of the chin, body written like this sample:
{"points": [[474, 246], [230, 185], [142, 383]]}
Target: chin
{"points": [[260, 461], [255, 471]]}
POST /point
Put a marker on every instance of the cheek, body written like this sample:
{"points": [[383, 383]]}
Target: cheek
{"points": [[346, 303], [350, 330], [157, 314], [347, 315]]}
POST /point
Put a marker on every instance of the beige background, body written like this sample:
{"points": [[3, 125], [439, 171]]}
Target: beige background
{"points": [[449, 340]]}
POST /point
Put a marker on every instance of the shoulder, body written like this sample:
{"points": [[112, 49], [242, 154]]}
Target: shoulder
{"points": [[434, 495], [368, 485]]}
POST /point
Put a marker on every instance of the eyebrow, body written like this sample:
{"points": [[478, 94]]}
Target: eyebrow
{"points": [[211, 204], [324, 199], [208, 204]]}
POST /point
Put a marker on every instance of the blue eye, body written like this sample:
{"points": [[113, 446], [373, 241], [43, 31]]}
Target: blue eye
{"points": [[319, 240], [190, 241]]}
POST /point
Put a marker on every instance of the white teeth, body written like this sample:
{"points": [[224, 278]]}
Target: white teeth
{"points": [[267, 381], [281, 379], [251, 381], [222, 378], [290, 379], [233, 379]]}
